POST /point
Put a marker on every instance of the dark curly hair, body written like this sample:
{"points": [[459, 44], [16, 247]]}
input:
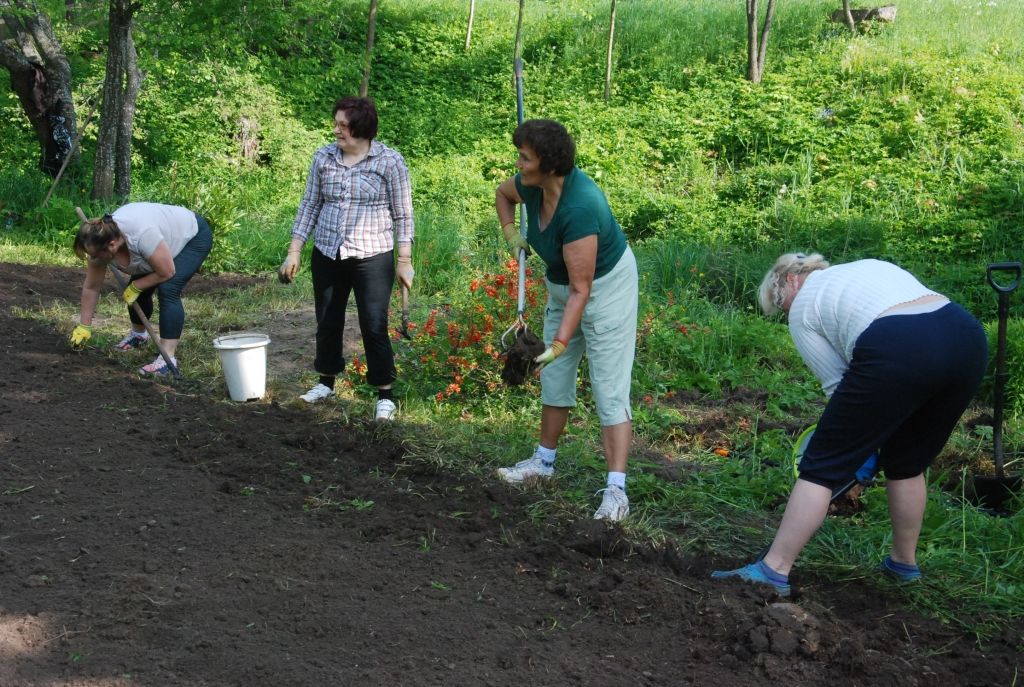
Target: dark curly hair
{"points": [[552, 143], [362, 116]]}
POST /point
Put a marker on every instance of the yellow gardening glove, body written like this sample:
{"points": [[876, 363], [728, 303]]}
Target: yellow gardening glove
{"points": [[131, 293], [556, 349], [79, 335], [404, 270], [290, 267], [514, 239]]}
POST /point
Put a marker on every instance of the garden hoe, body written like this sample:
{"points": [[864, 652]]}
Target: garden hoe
{"points": [[992, 492], [138, 311], [524, 346], [404, 331]]}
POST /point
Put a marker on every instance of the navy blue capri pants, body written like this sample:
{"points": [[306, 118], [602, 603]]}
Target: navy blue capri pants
{"points": [[168, 293], [910, 380]]}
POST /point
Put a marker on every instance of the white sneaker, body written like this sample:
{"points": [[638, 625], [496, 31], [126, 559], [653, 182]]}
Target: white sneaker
{"points": [[614, 505], [531, 468], [385, 410], [317, 393]]}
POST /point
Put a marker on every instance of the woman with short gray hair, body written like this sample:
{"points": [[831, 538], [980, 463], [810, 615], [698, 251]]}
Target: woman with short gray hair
{"points": [[899, 363]]}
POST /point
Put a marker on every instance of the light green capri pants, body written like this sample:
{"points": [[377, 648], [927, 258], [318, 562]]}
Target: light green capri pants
{"points": [[607, 333]]}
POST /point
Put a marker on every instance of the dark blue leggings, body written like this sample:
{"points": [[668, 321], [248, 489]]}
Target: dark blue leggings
{"points": [[168, 293], [910, 379], [371, 280]]}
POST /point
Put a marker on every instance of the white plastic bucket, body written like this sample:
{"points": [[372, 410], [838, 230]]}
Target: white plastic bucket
{"points": [[243, 357]]}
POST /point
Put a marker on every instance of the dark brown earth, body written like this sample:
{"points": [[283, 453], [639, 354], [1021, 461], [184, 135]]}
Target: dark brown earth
{"points": [[151, 535]]}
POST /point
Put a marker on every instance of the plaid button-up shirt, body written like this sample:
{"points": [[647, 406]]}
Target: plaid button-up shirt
{"points": [[358, 211]]}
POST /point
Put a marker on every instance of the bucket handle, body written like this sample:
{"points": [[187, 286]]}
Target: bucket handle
{"points": [[1008, 287]]}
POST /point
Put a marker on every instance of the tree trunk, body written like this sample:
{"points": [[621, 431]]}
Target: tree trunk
{"points": [[757, 42], [41, 77], [120, 87], [469, 24], [123, 151], [371, 31], [608, 61], [850, 24]]}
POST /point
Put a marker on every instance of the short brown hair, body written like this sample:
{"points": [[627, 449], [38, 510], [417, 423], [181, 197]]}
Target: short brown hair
{"points": [[362, 116]]}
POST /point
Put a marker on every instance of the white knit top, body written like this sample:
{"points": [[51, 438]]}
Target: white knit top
{"points": [[834, 307]]}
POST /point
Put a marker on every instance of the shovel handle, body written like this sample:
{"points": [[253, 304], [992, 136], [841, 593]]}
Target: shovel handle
{"points": [[1012, 267], [148, 325]]}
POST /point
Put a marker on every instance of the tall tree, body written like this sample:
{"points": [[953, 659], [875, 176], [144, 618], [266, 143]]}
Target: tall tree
{"points": [[41, 77], [757, 42], [469, 24], [371, 31], [112, 167], [608, 61]]}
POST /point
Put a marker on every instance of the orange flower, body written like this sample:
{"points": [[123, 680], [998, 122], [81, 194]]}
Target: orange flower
{"points": [[430, 326], [724, 452]]}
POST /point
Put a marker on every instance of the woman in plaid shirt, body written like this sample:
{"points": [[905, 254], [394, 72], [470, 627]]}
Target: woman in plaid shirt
{"points": [[357, 205]]}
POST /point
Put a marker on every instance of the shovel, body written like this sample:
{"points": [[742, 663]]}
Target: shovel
{"points": [[138, 311], [992, 492], [519, 326]]}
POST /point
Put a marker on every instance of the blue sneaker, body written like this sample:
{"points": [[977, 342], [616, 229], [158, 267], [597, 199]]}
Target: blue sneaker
{"points": [[901, 572], [758, 573]]}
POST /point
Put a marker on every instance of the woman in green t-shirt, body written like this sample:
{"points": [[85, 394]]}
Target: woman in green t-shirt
{"points": [[592, 299]]}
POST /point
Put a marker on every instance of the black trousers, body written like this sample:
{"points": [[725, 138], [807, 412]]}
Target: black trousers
{"points": [[371, 280]]}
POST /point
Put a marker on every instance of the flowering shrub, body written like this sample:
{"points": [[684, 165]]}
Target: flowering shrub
{"points": [[457, 350]]}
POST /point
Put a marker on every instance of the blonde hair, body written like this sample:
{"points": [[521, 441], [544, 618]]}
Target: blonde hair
{"points": [[95, 233], [772, 292]]}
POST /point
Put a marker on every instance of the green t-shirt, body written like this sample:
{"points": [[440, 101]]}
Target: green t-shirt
{"points": [[582, 211]]}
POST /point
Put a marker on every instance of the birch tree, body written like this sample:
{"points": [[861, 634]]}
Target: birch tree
{"points": [[757, 39], [371, 31], [608, 61]]}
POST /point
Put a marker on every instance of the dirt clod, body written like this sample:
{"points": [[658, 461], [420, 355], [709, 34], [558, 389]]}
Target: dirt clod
{"points": [[519, 357]]}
